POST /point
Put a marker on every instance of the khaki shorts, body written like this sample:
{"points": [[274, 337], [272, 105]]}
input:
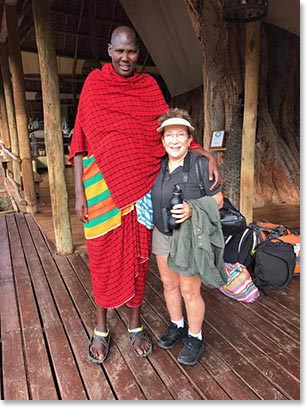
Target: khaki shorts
{"points": [[160, 242]]}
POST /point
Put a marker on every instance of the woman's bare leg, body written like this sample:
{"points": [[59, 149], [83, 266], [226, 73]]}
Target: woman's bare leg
{"points": [[194, 302], [171, 288]]}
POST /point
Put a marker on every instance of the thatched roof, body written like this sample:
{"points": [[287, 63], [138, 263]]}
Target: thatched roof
{"points": [[82, 29]]}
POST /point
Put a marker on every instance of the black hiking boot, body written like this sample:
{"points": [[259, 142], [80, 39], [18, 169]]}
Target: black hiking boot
{"points": [[173, 336], [191, 351]]}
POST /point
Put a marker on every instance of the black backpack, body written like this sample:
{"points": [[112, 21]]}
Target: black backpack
{"points": [[271, 262], [232, 220], [241, 248], [274, 265]]}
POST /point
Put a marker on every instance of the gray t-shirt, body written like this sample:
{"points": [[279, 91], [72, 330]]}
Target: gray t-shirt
{"points": [[162, 190]]}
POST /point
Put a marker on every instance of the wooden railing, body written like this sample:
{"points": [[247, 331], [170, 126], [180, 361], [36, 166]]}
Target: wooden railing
{"points": [[10, 183], [9, 153]]}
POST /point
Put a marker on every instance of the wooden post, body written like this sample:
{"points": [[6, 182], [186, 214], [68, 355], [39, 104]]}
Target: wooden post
{"points": [[249, 119], [53, 126], [19, 95], [8, 95], [4, 125]]}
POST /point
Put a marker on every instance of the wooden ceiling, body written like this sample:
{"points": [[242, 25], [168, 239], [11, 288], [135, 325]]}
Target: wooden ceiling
{"points": [[82, 30]]}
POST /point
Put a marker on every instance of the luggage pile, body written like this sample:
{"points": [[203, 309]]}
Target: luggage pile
{"points": [[270, 252]]}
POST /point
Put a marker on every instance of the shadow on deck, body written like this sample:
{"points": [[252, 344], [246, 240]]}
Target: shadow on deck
{"points": [[47, 316]]}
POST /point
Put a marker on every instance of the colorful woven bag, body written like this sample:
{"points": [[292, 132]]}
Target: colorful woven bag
{"points": [[240, 285]]}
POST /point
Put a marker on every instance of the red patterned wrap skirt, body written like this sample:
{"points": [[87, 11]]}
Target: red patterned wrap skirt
{"points": [[119, 263]]}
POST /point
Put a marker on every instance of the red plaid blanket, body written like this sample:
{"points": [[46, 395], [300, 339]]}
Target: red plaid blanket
{"points": [[118, 119]]}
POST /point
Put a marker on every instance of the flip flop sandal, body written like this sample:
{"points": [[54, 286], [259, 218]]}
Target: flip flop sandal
{"points": [[139, 333], [105, 338]]}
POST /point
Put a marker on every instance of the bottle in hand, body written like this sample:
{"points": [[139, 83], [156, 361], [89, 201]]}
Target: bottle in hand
{"points": [[175, 199]]}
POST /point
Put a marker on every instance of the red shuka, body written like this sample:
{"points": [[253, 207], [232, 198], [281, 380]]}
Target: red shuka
{"points": [[119, 119], [116, 122]]}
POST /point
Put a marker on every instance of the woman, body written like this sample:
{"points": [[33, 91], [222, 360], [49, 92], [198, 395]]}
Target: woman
{"points": [[174, 249]]}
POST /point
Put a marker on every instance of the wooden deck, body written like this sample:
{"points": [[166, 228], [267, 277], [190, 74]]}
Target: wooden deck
{"points": [[47, 316], [44, 215]]}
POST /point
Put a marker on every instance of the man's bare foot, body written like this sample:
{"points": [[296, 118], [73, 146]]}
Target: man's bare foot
{"points": [[99, 346], [141, 343]]}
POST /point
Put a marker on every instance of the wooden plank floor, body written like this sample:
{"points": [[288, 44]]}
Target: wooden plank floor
{"points": [[44, 215], [47, 316]]}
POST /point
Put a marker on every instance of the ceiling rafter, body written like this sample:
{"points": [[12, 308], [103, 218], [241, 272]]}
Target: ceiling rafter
{"points": [[76, 37]]}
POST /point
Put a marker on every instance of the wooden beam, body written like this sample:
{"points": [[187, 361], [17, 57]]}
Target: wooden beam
{"points": [[19, 95], [12, 3], [73, 73], [3, 31], [94, 42], [99, 21], [22, 19], [4, 124], [53, 126], [81, 35], [9, 102], [249, 119], [9, 153]]}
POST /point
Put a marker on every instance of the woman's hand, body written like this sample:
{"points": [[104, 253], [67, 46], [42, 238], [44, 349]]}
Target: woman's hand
{"points": [[181, 212]]}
